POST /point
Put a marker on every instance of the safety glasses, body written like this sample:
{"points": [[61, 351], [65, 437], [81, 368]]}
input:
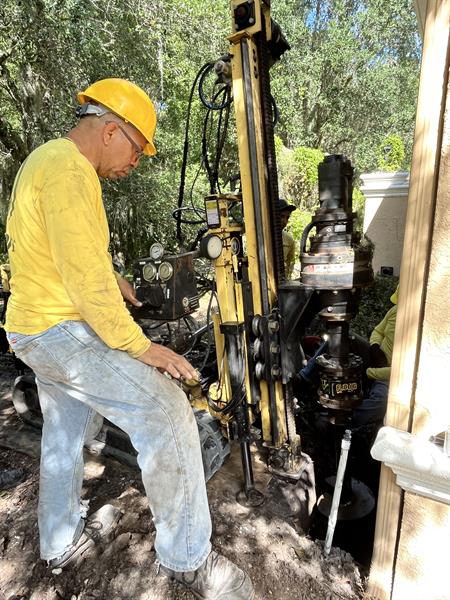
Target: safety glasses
{"points": [[136, 148]]}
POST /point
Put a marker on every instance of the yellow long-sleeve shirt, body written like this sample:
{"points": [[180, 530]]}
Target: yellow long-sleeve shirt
{"points": [[58, 237], [288, 253], [383, 335]]}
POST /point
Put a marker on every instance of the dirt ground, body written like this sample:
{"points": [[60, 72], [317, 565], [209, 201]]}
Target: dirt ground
{"points": [[283, 562]]}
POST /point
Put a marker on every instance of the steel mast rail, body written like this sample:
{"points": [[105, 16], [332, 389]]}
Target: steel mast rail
{"points": [[247, 331]]}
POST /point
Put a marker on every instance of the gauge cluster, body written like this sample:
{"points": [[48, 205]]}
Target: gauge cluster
{"points": [[165, 284]]}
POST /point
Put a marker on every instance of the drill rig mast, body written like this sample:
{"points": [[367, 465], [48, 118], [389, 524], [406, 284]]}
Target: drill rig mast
{"points": [[262, 318], [248, 328]]}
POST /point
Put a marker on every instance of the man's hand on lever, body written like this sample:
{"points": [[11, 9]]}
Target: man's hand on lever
{"points": [[165, 359], [158, 356]]}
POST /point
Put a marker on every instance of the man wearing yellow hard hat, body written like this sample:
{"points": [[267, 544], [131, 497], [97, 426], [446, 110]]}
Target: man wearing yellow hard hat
{"points": [[284, 211], [67, 320]]}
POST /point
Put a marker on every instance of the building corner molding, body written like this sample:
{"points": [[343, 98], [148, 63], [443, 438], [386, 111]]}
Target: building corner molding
{"points": [[420, 466]]}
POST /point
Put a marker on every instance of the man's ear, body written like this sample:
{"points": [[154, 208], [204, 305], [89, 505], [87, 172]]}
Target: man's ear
{"points": [[108, 132]]}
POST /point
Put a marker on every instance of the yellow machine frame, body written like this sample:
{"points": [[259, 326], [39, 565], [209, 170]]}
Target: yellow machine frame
{"points": [[257, 222]]}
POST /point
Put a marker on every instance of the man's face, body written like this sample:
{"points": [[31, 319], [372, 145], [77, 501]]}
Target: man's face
{"points": [[284, 218], [124, 147]]}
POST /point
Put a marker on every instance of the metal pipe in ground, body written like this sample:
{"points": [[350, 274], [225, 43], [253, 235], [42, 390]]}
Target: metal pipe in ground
{"points": [[345, 447]]}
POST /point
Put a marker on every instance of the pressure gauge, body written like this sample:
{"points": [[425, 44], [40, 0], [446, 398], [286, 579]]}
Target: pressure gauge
{"points": [[149, 272], [156, 251], [211, 246], [165, 271]]}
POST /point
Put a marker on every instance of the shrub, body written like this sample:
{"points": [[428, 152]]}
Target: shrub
{"points": [[391, 153], [375, 303], [298, 221], [359, 206], [298, 174]]}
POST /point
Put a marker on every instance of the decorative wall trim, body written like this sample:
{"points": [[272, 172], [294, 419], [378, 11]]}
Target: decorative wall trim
{"points": [[420, 466], [381, 185]]}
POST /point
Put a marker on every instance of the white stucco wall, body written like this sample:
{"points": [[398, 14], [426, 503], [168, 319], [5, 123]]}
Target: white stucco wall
{"points": [[386, 197]]}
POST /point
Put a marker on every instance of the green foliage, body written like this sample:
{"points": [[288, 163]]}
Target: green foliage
{"points": [[359, 204], [349, 80], [391, 153], [50, 50], [298, 220], [278, 145], [298, 175], [375, 303], [351, 76], [307, 161]]}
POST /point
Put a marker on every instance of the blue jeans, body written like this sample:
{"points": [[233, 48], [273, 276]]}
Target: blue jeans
{"points": [[80, 378], [373, 408]]}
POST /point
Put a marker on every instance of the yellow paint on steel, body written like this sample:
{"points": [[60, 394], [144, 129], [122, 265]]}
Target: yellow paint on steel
{"points": [[224, 387], [248, 194]]}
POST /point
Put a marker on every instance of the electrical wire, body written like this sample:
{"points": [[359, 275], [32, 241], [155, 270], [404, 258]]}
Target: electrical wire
{"points": [[230, 406], [211, 105], [221, 100], [213, 173], [176, 215], [186, 149], [239, 395], [221, 137], [208, 322]]}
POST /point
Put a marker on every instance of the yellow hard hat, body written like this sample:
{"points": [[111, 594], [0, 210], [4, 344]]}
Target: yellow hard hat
{"points": [[127, 101]]}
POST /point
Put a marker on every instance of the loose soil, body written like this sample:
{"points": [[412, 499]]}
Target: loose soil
{"points": [[281, 559]]}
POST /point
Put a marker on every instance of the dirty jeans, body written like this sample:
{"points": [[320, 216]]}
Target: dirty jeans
{"points": [[78, 378], [373, 408]]}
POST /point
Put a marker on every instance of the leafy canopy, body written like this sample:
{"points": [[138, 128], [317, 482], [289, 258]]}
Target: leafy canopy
{"points": [[349, 81]]}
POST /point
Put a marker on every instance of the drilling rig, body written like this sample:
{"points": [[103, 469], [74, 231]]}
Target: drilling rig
{"points": [[261, 318]]}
